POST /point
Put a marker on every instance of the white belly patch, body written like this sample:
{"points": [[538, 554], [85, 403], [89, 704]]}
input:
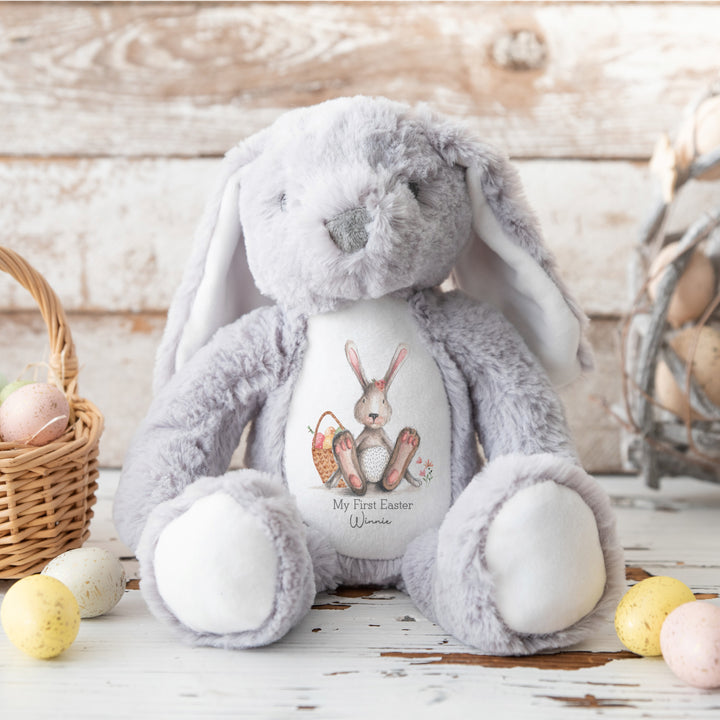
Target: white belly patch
{"points": [[367, 446], [373, 461]]}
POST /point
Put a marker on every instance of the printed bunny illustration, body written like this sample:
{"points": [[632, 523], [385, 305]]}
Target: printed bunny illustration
{"points": [[368, 219], [372, 458]]}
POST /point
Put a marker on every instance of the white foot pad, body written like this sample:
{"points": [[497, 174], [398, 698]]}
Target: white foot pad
{"points": [[216, 567], [544, 553]]}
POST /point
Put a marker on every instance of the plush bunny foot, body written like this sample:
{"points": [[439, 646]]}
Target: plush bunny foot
{"points": [[405, 448], [525, 560], [345, 453], [226, 561]]}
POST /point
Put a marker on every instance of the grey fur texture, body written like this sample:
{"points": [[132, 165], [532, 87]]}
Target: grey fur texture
{"points": [[403, 171]]}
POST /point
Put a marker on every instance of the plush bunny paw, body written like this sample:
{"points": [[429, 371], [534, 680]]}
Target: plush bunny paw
{"points": [[544, 556], [526, 560], [226, 562], [216, 567]]}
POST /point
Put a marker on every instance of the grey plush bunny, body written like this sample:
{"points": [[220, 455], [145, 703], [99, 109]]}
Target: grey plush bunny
{"points": [[349, 216]]}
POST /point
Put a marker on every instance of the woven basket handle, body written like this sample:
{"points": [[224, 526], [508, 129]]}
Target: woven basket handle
{"points": [[63, 361], [325, 414]]}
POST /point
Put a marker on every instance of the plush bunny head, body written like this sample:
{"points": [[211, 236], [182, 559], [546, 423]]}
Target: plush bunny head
{"points": [[363, 197], [351, 201]]}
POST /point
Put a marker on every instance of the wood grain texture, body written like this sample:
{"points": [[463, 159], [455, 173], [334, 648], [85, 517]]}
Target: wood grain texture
{"points": [[539, 79]]}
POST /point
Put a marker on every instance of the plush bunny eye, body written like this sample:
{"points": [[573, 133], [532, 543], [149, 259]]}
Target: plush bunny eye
{"points": [[414, 188], [282, 201]]}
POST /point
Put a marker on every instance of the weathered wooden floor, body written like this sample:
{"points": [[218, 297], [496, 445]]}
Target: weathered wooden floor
{"points": [[363, 653]]}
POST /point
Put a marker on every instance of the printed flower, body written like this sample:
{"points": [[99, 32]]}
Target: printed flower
{"points": [[428, 464], [380, 384], [422, 473], [419, 461]]}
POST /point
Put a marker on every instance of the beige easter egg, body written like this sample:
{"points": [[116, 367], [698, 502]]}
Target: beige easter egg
{"points": [[700, 134], [705, 360], [703, 345], [669, 395], [694, 290]]}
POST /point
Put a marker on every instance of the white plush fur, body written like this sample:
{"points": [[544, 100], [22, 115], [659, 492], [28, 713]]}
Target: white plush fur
{"points": [[501, 272], [543, 552], [214, 304], [216, 567]]}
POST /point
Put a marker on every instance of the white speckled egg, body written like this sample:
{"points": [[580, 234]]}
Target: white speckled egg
{"points": [[690, 643], [34, 414], [95, 577]]}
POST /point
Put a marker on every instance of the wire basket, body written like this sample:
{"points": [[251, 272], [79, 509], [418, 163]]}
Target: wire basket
{"points": [[672, 416], [47, 493]]}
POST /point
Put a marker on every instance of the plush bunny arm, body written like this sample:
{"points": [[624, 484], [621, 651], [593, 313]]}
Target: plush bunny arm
{"points": [[515, 407], [195, 422]]}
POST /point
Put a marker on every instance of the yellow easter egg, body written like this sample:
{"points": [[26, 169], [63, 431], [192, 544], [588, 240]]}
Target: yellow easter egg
{"points": [[40, 616], [643, 609]]}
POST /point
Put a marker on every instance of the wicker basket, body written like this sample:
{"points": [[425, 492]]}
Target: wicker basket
{"points": [[323, 459], [46, 493]]}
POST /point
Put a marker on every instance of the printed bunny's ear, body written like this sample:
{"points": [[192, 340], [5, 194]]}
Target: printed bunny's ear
{"points": [[217, 287], [398, 359], [351, 352], [506, 264]]}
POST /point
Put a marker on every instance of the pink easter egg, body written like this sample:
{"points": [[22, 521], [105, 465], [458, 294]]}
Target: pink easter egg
{"points": [[690, 643], [34, 414]]}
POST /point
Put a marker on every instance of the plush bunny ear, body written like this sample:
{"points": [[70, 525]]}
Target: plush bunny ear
{"points": [[217, 287], [506, 264]]}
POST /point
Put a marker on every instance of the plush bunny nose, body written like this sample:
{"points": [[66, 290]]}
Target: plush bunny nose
{"points": [[347, 229], [374, 416]]}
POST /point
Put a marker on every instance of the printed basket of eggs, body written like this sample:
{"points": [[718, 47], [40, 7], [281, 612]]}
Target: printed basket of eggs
{"points": [[49, 447], [671, 337], [321, 449]]}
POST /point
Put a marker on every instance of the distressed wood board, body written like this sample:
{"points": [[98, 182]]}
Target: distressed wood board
{"points": [[361, 651], [541, 79]]}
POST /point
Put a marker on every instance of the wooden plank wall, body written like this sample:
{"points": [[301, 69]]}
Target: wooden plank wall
{"points": [[113, 117]]}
